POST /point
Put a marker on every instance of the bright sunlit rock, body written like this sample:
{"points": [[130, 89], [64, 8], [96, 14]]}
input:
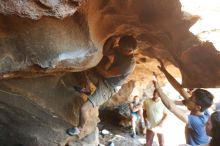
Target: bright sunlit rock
{"points": [[208, 26]]}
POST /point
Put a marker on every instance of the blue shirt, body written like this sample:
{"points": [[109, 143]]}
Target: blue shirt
{"points": [[196, 129]]}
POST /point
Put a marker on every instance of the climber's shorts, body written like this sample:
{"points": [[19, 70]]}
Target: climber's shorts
{"points": [[103, 91]]}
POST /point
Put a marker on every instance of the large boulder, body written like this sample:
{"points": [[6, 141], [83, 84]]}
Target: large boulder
{"points": [[43, 43]]}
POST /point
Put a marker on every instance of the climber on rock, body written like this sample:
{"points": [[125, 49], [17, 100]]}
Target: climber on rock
{"points": [[117, 63]]}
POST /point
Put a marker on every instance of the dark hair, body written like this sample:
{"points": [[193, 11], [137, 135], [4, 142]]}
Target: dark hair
{"points": [[215, 120], [127, 42], [203, 98]]}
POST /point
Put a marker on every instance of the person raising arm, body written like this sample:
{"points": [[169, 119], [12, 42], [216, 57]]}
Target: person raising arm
{"points": [[197, 104], [173, 81]]}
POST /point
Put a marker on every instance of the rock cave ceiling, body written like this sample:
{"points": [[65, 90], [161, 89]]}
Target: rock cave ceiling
{"points": [[45, 37]]}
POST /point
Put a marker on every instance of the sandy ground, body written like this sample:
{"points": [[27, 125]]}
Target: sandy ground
{"points": [[173, 131], [121, 138]]}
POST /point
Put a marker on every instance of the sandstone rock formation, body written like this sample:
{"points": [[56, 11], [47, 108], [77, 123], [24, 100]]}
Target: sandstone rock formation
{"points": [[35, 9], [43, 42]]}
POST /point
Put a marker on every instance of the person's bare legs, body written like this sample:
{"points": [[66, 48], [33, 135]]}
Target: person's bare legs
{"points": [[160, 139], [149, 137], [84, 113], [133, 123], [140, 113]]}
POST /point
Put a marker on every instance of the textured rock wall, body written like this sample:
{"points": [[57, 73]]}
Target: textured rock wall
{"points": [[35, 9], [48, 43], [75, 43], [34, 42], [37, 111]]}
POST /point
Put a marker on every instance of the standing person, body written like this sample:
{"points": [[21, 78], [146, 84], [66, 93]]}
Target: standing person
{"points": [[156, 116], [212, 129], [117, 63], [136, 108], [197, 104]]}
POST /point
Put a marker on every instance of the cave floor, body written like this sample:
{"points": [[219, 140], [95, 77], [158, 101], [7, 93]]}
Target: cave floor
{"points": [[120, 137], [173, 134]]}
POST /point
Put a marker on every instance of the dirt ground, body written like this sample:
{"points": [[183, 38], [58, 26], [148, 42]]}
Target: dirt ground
{"points": [[120, 137], [173, 133]]}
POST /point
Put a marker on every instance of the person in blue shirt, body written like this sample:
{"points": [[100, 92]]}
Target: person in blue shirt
{"points": [[197, 104], [212, 129]]}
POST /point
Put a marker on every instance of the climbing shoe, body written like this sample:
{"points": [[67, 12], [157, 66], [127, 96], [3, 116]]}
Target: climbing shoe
{"points": [[82, 90], [73, 131]]}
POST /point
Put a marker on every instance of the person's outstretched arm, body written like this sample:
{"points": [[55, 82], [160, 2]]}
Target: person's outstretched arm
{"points": [[170, 104], [173, 81]]}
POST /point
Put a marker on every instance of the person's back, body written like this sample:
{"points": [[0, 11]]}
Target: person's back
{"points": [[125, 65], [119, 63]]}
